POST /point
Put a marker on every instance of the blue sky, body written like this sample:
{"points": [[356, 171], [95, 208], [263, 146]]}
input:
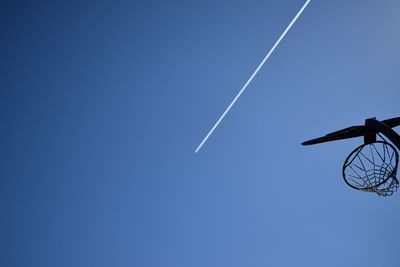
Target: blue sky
{"points": [[104, 102]]}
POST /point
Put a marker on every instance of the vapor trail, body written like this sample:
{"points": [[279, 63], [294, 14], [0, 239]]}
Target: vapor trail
{"points": [[252, 76]]}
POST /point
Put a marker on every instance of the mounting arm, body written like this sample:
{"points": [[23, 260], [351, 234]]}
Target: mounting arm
{"points": [[374, 126], [369, 130]]}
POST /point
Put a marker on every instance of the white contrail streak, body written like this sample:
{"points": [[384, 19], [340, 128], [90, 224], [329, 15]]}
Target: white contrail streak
{"points": [[252, 76]]}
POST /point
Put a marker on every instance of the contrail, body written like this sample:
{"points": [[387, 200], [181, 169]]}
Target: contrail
{"points": [[252, 76]]}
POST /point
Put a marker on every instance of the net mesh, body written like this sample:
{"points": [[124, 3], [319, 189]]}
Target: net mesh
{"points": [[372, 168]]}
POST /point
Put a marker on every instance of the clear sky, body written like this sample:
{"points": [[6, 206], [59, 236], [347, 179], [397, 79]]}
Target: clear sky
{"points": [[103, 103]]}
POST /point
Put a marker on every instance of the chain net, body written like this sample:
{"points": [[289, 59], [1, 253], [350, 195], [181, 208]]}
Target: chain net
{"points": [[373, 168]]}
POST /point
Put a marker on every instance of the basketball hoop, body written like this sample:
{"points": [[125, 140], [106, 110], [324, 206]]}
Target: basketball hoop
{"points": [[373, 168]]}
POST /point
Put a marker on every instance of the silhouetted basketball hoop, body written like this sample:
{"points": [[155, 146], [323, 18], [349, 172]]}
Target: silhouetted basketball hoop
{"points": [[371, 167]]}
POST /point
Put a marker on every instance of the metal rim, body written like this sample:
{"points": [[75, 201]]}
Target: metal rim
{"points": [[355, 152]]}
